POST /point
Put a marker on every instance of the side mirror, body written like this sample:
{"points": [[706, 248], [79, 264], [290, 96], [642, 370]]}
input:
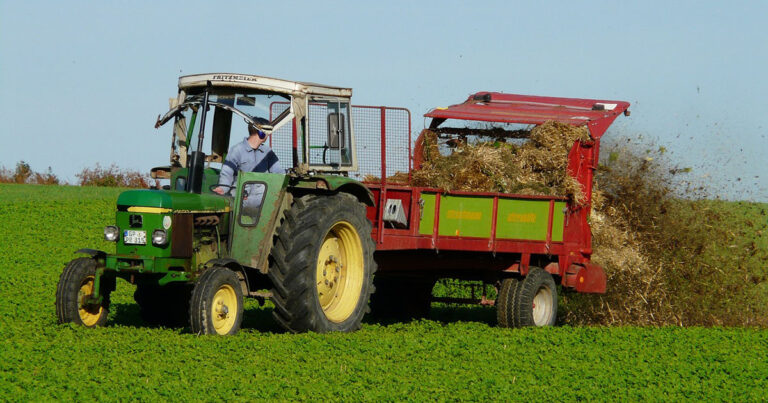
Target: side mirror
{"points": [[336, 131]]}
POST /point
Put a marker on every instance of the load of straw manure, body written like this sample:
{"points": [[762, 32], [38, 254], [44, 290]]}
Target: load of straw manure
{"points": [[492, 163]]}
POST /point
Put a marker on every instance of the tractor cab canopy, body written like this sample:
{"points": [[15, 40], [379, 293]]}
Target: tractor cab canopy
{"points": [[526, 109], [259, 83], [270, 105]]}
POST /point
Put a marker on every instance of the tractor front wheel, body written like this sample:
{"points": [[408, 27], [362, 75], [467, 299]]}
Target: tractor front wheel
{"points": [[322, 265], [75, 288], [216, 306]]}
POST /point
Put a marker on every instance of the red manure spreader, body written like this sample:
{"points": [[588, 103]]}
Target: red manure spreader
{"points": [[524, 246]]}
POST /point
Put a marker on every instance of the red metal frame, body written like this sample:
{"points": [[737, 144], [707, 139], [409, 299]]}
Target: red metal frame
{"points": [[528, 109]]}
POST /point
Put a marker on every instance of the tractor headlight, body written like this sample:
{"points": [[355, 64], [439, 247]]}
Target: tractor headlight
{"points": [[111, 233], [159, 237]]}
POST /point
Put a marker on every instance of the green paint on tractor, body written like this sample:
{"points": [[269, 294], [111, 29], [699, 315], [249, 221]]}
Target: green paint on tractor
{"points": [[174, 200], [210, 178], [252, 234]]}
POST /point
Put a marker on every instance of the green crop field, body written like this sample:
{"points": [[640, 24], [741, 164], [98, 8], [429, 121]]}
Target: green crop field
{"points": [[456, 355]]}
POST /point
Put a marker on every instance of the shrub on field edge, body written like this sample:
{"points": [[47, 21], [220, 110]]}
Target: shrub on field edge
{"points": [[24, 174], [112, 176]]}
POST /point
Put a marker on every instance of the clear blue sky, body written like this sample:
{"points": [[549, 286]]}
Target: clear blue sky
{"points": [[82, 82]]}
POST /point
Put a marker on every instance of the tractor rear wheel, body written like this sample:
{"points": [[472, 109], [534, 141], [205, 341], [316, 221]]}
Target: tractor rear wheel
{"points": [[322, 265], [216, 306], [536, 301], [75, 286]]}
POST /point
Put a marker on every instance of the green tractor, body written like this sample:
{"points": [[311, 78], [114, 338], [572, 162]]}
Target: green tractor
{"points": [[301, 238]]}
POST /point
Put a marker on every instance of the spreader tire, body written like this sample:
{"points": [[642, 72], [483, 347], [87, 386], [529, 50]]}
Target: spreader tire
{"points": [[75, 285], [536, 302], [322, 265], [216, 306], [505, 302], [163, 305]]}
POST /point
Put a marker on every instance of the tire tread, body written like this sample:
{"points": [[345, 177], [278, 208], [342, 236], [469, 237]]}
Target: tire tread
{"points": [[292, 262]]}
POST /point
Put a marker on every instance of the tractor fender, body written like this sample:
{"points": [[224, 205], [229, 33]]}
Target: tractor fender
{"points": [[233, 265], [106, 281], [94, 253], [325, 184], [358, 190]]}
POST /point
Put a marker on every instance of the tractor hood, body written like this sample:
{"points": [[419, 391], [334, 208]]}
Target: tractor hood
{"points": [[172, 201]]}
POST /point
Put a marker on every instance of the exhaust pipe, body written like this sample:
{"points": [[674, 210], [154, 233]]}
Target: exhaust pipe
{"points": [[197, 157]]}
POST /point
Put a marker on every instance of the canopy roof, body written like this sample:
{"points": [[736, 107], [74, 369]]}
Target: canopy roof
{"points": [[262, 84], [528, 109]]}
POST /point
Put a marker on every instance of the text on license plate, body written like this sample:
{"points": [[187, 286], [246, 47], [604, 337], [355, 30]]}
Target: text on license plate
{"points": [[133, 237]]}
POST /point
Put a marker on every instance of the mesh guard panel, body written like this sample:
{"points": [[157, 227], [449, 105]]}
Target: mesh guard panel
{"points": [[367, 130]]}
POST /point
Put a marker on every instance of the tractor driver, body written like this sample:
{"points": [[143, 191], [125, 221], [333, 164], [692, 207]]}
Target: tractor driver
{"points": [[249, 155]]}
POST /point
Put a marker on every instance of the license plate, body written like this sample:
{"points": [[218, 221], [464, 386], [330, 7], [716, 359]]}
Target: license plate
{"points": [[131, 237]]}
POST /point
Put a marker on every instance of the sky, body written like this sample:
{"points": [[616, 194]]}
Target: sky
{"points": [[83, 82]]}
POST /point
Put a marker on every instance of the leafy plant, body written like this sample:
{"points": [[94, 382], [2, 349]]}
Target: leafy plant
{"points": [[24, 174], [457, 355]]}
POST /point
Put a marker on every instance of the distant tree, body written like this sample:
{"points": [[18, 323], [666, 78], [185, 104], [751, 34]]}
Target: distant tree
{"points": [[6, 176], [23, 172], [47, 178], [112, 176]]}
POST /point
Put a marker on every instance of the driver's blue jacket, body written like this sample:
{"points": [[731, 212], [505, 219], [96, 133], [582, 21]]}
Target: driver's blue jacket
{"points": [[242, 157]]}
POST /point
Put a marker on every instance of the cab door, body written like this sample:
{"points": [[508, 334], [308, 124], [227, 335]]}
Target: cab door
{"points": [[259, 199]]}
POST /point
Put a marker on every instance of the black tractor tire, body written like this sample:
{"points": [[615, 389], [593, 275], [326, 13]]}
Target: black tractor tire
{"points": [[216, 306], [313, 288], [75, 284], [401, 298], [536, 301], [505, 302], [166, 305]]}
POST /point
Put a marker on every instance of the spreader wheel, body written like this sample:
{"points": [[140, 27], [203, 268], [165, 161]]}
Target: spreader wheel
{"points": [[536, 301], [216, 306], [75, 287], [322, 265], [505, 302]]}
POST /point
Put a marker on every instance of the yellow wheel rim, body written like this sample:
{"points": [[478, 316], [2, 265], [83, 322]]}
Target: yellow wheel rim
{"points": [[224, 309], [89, 313], [340, 271]]}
